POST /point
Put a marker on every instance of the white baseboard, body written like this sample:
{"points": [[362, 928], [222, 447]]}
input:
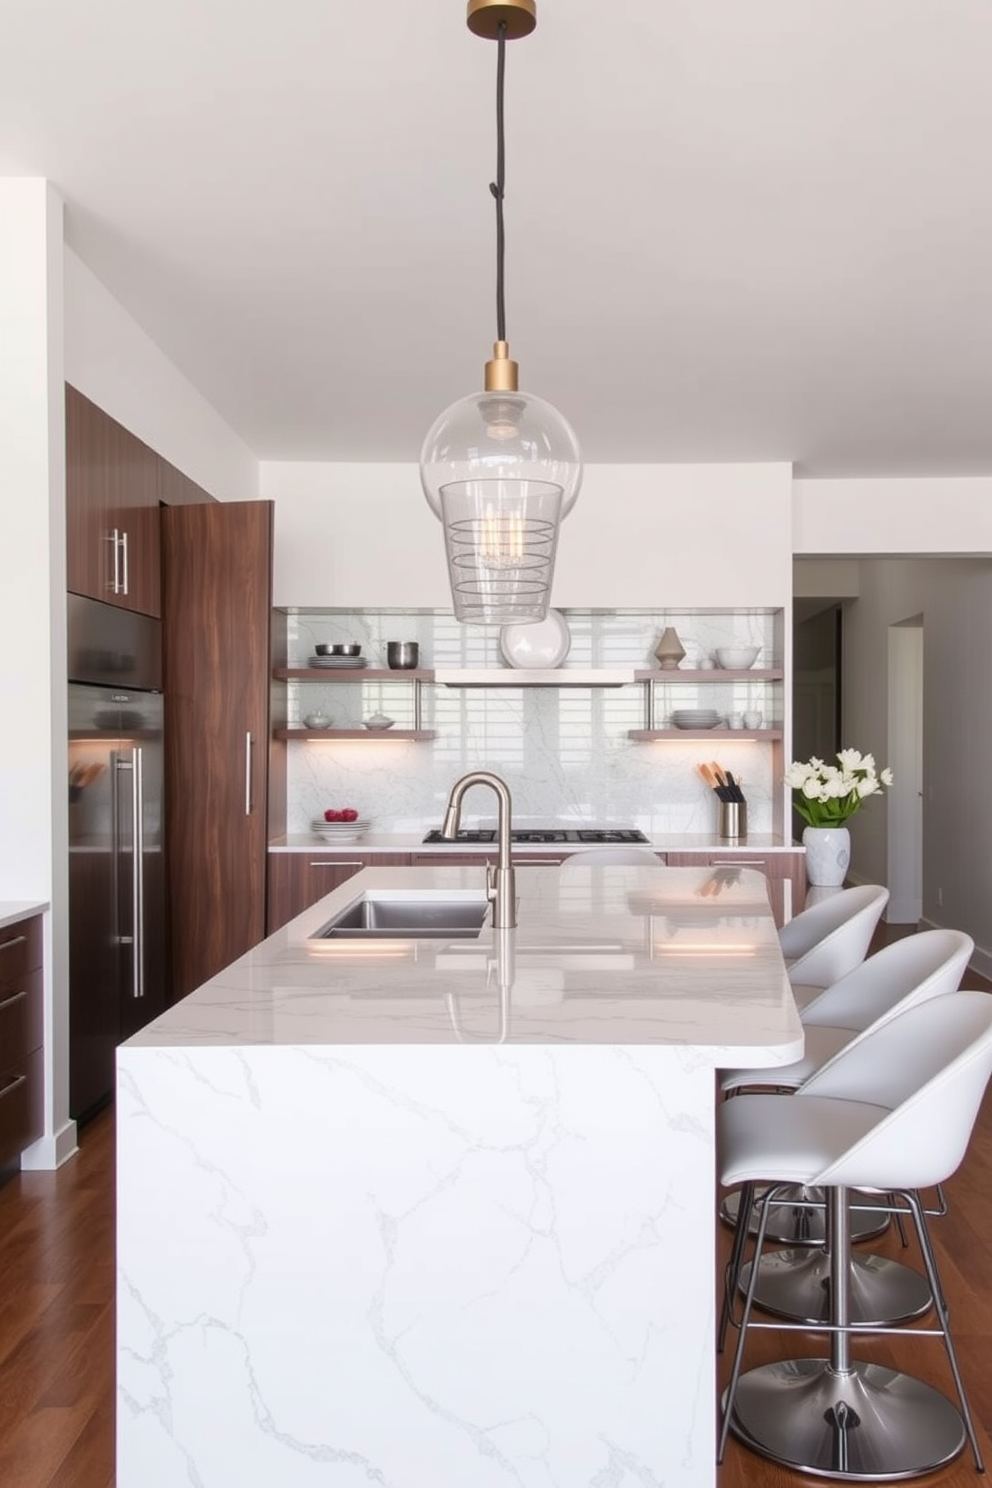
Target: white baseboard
{"points": [[50, 1152]]}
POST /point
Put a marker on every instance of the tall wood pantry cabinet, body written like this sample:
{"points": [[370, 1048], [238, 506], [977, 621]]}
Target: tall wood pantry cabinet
{"points": [[217, 606]]}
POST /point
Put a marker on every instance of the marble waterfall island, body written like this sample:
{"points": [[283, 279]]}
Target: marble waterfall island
{"points": [[439, 1213]]}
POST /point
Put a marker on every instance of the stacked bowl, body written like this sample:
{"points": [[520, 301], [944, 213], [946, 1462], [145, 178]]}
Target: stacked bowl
{"points": [[695, 718]]}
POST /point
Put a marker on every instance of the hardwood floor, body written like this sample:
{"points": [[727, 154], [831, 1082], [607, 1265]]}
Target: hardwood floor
{"points": [[56, 1320]]}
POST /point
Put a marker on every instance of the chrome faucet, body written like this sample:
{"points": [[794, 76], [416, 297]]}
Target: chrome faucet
{"points": [[500, 883]]}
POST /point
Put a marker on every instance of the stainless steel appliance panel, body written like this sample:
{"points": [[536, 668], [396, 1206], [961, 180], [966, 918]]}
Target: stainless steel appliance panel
{"points": [[117, 919]]}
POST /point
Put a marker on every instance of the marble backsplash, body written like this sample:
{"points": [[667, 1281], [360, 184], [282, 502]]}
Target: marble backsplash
{"points": [[565, 752]]}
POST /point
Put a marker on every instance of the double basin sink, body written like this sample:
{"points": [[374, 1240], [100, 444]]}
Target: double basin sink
{"points": [[399, 914]]}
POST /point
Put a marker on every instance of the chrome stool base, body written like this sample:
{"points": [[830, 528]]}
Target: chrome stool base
{"points": [[867, 1423], [791, 1225], [796, 1284]]}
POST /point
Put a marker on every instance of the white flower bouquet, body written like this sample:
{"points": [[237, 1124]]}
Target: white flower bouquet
{"points": [[826, 795]]}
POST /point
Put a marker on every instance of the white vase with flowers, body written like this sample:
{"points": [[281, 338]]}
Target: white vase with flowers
{"points": [[826, 796]]}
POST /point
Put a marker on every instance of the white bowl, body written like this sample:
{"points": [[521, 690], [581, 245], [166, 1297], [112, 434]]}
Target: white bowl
{"points": [[737, 658], [539, 645]]}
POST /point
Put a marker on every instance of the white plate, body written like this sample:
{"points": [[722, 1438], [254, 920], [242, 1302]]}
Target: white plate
{"points": [[544, 643], [334, 662]]}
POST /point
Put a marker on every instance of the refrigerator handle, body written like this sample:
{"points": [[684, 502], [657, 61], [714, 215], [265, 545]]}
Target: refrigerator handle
{"points": [[137, 876], [117, 765], [249, 751], [124, 589]]}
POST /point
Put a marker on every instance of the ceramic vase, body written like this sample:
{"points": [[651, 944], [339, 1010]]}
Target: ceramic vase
{"points": [[669, 650], [828, 855]]}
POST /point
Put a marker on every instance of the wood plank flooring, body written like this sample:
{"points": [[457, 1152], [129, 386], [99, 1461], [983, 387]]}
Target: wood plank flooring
{"points": [[56, 1321]]}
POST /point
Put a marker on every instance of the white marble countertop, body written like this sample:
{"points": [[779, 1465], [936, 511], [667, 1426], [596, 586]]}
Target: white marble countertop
{"points": [[602, 955], [12, 910], [413, 842]]}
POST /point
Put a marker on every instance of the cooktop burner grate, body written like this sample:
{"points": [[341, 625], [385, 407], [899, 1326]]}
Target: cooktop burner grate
{"points": [[547, 834]]}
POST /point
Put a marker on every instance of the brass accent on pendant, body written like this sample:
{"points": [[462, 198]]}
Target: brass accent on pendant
{"points": [[484, 17], [501, 372]]}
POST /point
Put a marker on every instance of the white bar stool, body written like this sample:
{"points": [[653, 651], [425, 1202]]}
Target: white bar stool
{"points": [[793, 1283], [893, 1113], [821, 945]]}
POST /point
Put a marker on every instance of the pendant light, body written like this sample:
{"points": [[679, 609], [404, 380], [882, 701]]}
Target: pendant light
{"points": [[501, 468]]}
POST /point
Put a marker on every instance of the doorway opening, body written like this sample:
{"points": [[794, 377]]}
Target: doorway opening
{"points": [[905, 796]]}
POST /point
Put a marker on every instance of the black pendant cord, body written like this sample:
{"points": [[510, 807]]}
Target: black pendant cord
{"points": [[497, 186]]}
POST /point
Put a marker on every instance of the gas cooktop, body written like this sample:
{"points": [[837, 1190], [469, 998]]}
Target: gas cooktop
{"points": [[546, 834]]}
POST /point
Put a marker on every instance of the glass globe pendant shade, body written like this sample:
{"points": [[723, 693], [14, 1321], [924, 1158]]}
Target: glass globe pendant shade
{"points": [[501, 469]]}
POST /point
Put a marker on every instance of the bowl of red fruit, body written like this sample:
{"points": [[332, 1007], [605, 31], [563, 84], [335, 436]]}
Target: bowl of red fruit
{"points": [[342, 822]]}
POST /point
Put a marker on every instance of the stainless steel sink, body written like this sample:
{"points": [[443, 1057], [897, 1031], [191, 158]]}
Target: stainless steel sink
{"points": [[399, 915]]}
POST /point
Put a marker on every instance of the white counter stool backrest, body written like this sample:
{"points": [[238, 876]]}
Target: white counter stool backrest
{"points": [[900, 976], [893, 1113], [589, 857], [826, 941], [929, 1068], [923, 965]]}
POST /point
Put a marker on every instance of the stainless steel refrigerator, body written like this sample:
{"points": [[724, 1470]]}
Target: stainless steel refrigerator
{"points": [[117, 910]]}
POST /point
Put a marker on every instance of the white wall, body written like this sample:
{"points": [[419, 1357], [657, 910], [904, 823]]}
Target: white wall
{"points": [[954, 598], [110, 359], [33, 793], [898, 516], [661, 536]]}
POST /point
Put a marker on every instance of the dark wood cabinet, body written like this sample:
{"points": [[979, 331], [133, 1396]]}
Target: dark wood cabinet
{"points": [[217, 599], [22, 1073], [176, 489], [113, 550], [299, 879]]}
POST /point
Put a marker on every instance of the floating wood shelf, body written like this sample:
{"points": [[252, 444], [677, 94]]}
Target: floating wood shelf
{"points": [[359, 733], [710, 674], [353, 674], [725, 735]]}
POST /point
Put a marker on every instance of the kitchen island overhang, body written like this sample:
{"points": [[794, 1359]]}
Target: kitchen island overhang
{"points": [[421, 1214]]}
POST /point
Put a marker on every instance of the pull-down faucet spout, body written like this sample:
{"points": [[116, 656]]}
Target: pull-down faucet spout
{"points": [[500, 883]]}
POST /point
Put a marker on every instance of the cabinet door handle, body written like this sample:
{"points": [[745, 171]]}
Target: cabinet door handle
{"points": [[8, 945], [738, 863], [114, 538], [537, 862], [14, 1083], [249, 748], [341, 863], [17, 997], [124, 571]]}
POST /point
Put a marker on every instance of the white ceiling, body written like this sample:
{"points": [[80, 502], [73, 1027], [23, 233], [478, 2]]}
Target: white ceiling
{"points": [[737, 229]]}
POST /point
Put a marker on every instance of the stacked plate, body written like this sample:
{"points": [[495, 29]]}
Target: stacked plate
{"points": [[337, 663], [341, 831], [695, 718]]}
